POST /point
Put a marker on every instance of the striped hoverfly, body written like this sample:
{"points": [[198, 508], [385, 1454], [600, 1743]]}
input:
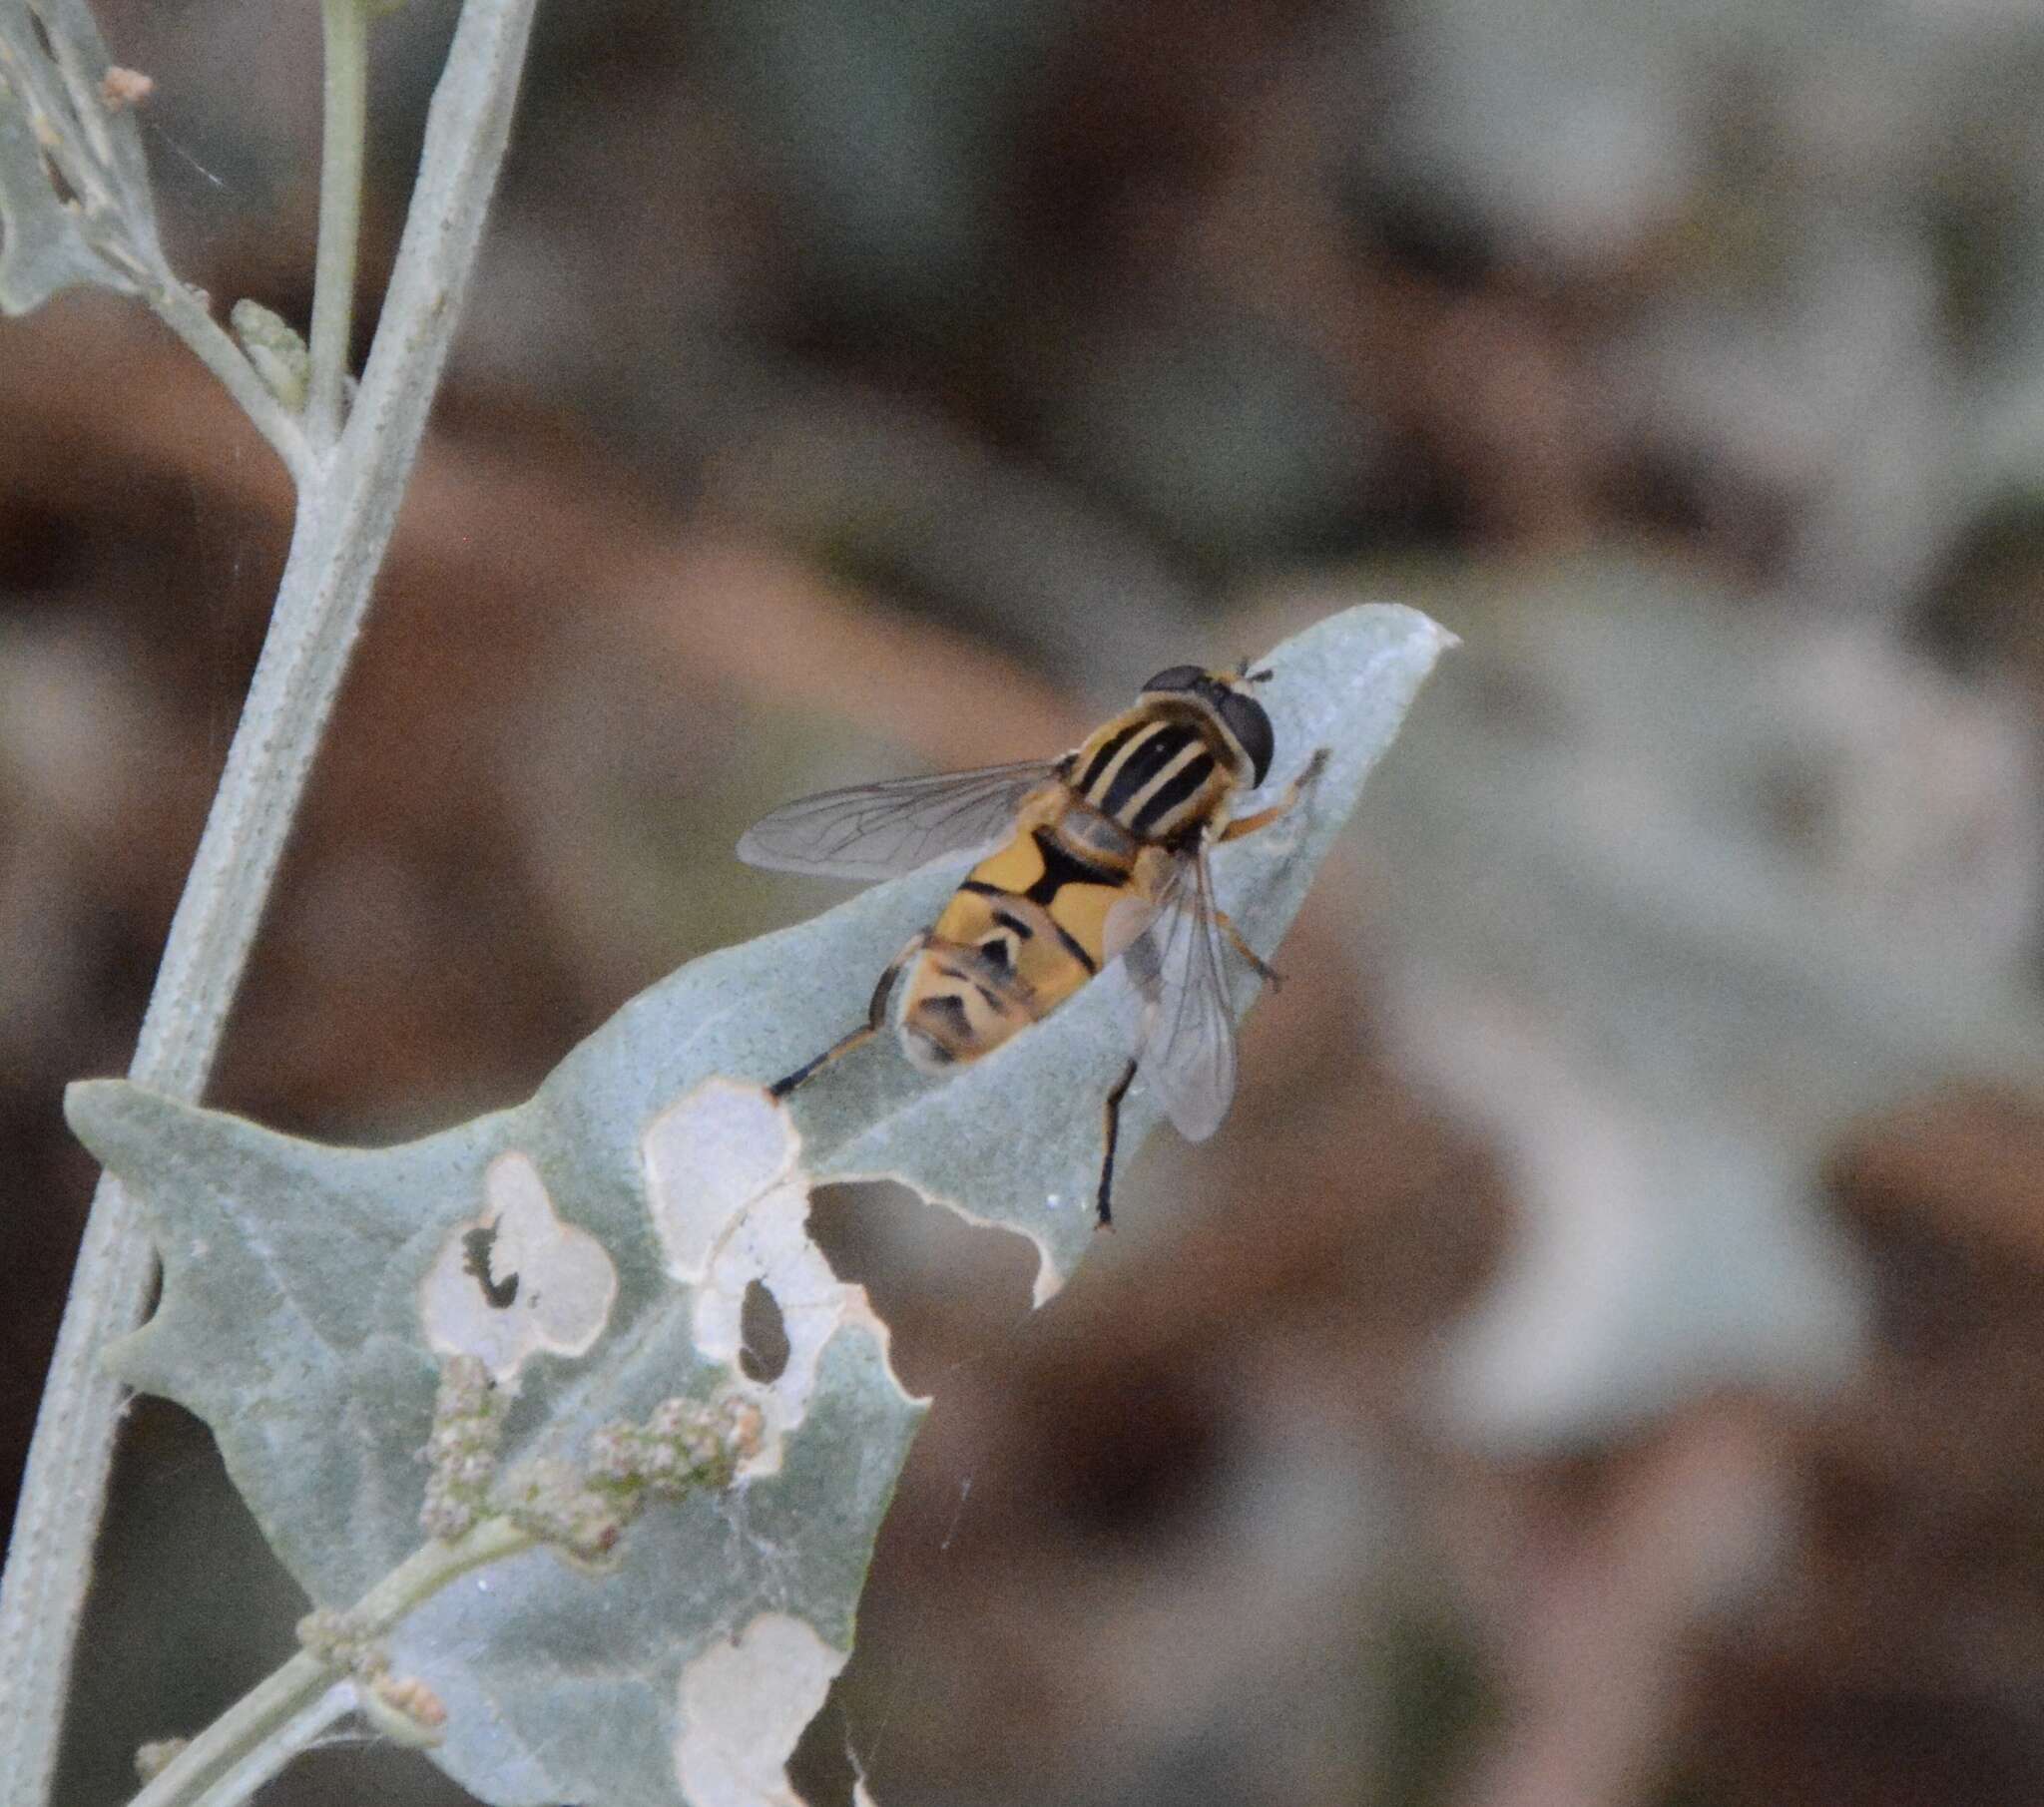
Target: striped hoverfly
{"points": [[1096, 856]]}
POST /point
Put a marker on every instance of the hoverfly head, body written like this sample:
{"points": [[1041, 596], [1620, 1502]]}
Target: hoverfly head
{"points": [[1246, 719], [1240, 715]]}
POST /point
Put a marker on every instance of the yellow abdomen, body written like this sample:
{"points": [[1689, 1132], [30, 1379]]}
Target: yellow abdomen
{"points": [[1027, 929]]}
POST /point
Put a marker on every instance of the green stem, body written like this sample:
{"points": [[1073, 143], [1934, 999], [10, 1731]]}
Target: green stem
{"points": [[285, 1711], [425, 1571], [240, 1782], [345, 131], [273, 1705], [182, 310]]}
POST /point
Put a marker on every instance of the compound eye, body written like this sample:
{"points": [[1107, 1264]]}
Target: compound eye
{"points": [[1176, 678], [1248, 723]]}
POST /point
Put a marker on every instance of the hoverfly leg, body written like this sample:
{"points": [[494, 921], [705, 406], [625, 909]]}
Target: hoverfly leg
{"points": [[877, 1011], [815, 1064], [876, 1020], [1284, 806], [1248, 824], [1114, 1133], [1263, 969]]}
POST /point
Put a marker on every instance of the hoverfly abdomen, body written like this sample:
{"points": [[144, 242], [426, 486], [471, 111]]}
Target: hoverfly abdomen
{"points": [[960, 1002], [1100, 852]]}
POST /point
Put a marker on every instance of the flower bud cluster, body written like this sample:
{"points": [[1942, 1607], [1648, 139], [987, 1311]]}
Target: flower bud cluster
{"points": [[339, 1641], [404, 1709], [556, 1504], [468, 1427], [684, 1443]]}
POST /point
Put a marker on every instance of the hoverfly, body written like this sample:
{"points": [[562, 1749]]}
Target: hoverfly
{"points": [[1098, 855]]}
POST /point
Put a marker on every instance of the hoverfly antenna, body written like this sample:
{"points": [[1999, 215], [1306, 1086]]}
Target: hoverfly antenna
{"points": [[1262, 676]]}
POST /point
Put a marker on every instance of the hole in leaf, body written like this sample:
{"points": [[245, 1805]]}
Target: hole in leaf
{"points": [[951, 1291], [763, 1344]]}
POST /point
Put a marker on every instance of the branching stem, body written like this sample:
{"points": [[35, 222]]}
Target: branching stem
{"points": [[287, 1710], [182, 311]]}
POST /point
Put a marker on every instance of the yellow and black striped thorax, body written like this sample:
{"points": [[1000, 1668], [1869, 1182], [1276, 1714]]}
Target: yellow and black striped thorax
{"points": [[1162, 769]]}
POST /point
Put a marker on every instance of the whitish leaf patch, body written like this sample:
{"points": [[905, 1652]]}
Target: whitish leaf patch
{"points": [[516, 1279], [743, 1706], [731, 1207]]}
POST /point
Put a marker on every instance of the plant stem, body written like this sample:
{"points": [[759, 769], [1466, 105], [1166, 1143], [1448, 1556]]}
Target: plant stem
{"points": [[346, 515], [280, 1705], [179, 310], [344, 131], [276, 1749], [285, 1711]]}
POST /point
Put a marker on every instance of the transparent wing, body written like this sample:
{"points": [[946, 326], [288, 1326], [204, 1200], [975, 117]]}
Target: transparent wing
{"points": [[1186, 1047], [880, 830]]}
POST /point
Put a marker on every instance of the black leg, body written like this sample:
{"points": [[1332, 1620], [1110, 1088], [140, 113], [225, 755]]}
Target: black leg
{"points": [[1114, 1134], [810, 1067], [876, 1020]]}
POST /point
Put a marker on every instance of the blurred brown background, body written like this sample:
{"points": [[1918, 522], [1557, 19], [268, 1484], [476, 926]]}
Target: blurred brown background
{"points": [[1602, 1359]]}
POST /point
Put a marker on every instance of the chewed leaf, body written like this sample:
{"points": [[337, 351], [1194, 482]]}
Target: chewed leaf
{"points": [[728, 1205], [594, 1248], [743, 1704], [308, 1290], [516, 1280], [64, 117]]}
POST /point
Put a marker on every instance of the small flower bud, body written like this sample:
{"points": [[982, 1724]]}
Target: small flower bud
{"points": [[404, 1709], [330, 1636], [121, 87], [276, 349], [468, 1426]]}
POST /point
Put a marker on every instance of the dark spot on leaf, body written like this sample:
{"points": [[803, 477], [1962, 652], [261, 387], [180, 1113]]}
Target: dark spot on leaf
{"points": [[476, 1248]]}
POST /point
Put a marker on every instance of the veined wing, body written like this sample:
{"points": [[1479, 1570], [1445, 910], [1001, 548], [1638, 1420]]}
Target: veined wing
{"points": [[875, 832], [1186, 1046]]}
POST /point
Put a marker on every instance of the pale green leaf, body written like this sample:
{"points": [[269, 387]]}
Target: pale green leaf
{"points": [[42, 250], [55, 117], [635, 1197]]}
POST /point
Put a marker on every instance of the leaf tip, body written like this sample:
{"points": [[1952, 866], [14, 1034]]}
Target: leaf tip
{"points": [[98, 1113], [83, 1098]]}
